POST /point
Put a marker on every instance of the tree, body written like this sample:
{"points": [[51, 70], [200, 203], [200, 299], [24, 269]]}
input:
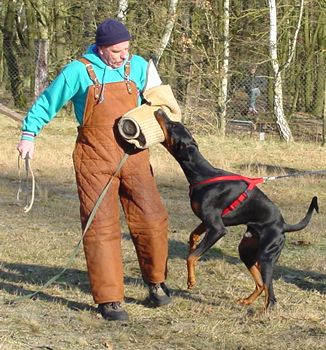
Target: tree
{"points": [[122, 11], [10, 54], [279, 115], [223, 91], [41, 42], [321, 64], [172, 14]]}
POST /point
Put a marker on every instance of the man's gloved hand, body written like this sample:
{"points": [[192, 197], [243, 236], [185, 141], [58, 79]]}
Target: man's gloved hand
{"points": [[26, 147]]}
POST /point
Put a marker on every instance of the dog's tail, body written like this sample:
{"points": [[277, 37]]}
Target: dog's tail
{"points": [[305, 221]]}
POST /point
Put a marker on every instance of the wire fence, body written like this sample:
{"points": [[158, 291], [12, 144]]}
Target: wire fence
{"points": [[249, 108]]}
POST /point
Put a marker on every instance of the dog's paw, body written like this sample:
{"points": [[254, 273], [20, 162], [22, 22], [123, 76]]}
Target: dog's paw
{"points": [[191, 284], [244, 301]]}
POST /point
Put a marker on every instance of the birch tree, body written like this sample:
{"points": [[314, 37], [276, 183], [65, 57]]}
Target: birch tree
{"points": [[281, 122], [123, 7], [172, 15], [223, 91]]}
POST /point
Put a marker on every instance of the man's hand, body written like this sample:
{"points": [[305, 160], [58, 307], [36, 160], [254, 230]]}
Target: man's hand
{"points": [[25, 148]]}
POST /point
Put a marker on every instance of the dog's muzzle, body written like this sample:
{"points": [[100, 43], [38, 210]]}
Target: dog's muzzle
{"points": [[140, 127]]}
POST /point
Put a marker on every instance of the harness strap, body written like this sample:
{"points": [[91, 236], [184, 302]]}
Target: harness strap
{"points": [[252, 183]]}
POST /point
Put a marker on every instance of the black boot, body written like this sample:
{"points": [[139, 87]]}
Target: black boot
{"points": [[113, 311], [159, 294]]}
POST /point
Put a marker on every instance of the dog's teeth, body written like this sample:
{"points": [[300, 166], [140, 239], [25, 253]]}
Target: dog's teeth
{"points": [[248, 234]]}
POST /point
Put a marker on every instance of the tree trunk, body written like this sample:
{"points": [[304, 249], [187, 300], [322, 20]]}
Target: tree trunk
{"points": [[281, 122], [60, 47], [10, 54], [308, 77], [324, 117], [223, 91], [31, 36], [41, 47], [321, 66], [1, 60], [122, 11], [172, 15]]}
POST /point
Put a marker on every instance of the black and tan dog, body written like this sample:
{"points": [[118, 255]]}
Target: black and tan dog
{"points": [[220, 199]]}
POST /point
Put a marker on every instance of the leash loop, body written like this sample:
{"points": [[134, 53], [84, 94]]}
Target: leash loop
{"points": [[28, 170]]}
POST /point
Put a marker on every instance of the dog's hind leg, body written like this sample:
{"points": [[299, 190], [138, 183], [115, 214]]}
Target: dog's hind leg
{"points": [[248, 251], [270, 251], [213, 234]]}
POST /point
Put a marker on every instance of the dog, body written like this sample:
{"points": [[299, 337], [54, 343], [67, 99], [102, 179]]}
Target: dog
{"points": [[220, 199]]}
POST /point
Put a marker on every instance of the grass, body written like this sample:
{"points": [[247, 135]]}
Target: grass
{"points": [[37, 245]]}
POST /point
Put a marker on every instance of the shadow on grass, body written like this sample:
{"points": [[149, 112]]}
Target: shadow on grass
{"points": [[14, 275], [305, 280], [179, 249], [36, 275], [19, 274], [20, 293]]}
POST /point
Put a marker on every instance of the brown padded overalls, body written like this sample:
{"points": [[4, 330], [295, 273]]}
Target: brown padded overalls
{"points": [[97, 153]]}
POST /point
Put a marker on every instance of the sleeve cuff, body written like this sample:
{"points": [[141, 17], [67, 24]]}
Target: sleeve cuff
{"points": [[29, 136]]}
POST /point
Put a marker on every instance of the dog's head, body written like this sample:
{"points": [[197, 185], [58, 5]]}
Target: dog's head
{"points": [[178, 139]]}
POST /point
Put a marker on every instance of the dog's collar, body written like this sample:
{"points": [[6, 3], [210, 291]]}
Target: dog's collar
{"points": [[252, 182]]}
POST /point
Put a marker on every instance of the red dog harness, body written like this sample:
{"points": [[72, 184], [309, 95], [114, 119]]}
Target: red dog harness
{"points": [[252, 182]]}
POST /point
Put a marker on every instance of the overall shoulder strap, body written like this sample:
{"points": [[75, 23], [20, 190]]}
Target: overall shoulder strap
{"points": [[127, 74], [92, 76]]}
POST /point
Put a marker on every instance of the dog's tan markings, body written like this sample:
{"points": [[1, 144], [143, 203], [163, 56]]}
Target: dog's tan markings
{"points": [[191, 263], [167, 142], [260, 287], [194, 239]]}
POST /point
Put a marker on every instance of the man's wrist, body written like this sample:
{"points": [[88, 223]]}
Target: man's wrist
{"points": [[27, 135]]}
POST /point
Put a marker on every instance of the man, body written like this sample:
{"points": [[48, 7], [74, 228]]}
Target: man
{"points": [[103, 85], [253, 85]]}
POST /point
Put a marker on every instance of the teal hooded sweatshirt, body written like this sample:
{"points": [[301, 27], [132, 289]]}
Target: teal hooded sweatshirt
{"points": [[72, 84]]}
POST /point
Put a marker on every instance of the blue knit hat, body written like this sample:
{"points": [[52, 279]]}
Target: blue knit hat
{"points": [[111, 32]]}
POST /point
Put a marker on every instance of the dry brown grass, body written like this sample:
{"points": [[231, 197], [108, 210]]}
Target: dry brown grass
{"points": [[36, 246]]}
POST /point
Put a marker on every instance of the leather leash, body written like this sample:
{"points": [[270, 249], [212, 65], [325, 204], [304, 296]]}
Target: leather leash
{"points": [[28, 170], [302, 173], [75, 250]]}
